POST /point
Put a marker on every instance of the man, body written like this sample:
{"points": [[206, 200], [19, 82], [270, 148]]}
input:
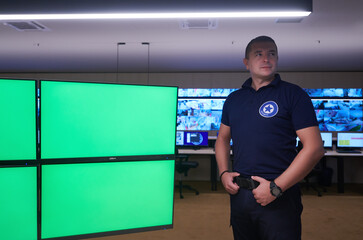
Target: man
{"points": [[263, 119]]}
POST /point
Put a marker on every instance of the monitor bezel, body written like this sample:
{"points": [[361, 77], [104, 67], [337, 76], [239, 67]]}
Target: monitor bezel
{"points": [[26, 162], [96, 234], [348, 147], [116, 158]]}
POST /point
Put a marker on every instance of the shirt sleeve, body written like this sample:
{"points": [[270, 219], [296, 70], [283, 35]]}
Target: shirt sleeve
{"points": [[225, 112], [303, 113]]}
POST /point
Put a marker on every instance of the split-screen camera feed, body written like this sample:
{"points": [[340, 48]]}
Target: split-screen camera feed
{"points": [[339, 115], [337, 109]]}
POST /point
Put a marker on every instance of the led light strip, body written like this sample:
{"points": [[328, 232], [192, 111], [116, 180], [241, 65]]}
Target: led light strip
{"points": [[177, 15]]}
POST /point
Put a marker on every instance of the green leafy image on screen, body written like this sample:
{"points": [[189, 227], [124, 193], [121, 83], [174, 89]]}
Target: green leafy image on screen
{"points": [[18, 203], [90, 198], [18, 120], [104, 120]]}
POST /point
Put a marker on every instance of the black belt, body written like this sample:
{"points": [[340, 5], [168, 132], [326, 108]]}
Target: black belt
{"points": [[247, 183]]}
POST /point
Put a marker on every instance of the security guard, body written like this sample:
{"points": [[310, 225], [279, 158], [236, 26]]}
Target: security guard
{"points": [[263, 118]]}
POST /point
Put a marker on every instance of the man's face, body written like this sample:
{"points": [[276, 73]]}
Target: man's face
{"points": [[262, 62]]}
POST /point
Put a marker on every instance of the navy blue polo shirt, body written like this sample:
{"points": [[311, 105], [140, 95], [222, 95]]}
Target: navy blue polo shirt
{"points": [[263, 126]]}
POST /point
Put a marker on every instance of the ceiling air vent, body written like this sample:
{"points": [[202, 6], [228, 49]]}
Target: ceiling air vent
{"points": [[27, 26], [198, 24]]}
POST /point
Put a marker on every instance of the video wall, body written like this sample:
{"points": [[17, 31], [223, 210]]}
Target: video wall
{"points": [[337, 109], [79, 146], [201, 109]]}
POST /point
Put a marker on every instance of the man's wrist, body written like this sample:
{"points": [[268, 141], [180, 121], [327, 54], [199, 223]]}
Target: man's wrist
{"points": [[225, 171], [275, 190]]}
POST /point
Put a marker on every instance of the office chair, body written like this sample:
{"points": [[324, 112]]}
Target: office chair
{"points": [[316, 173], [182, 166]]}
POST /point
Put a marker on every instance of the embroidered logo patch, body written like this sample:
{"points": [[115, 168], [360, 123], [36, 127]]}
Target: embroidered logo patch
{"points": [[269, 109]]}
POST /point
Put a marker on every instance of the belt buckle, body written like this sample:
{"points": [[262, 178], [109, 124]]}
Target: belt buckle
{"points": [[252, 183]]}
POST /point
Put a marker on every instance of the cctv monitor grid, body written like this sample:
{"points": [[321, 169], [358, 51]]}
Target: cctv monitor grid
{"points": [[339, 113]]}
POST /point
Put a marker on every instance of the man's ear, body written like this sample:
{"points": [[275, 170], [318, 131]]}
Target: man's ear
{"points": [[245, 61]]}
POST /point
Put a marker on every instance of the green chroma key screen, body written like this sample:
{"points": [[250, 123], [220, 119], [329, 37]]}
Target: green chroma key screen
{"points": [[90, 198], [18, 203], [18, 120], [105, 120]]}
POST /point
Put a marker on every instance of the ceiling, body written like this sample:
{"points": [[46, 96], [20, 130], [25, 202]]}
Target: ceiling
{"points": [[330, 39]]}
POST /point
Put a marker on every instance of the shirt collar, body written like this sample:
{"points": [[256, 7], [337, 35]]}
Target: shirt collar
{"points": [[275, 82]]}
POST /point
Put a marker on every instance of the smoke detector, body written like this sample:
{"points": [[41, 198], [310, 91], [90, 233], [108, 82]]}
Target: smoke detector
{"points": [[27, 26]]}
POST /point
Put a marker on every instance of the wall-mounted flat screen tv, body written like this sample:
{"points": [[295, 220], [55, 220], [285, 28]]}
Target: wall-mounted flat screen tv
{"points": [[18, 120], [106, 198], [339, 114], [192, 138], [201, 108], [84, 120], [205, 92], [334, 92], [18, 203], [199, 113]]}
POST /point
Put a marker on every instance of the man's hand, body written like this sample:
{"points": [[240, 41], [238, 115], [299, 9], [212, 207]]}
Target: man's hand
{"points": [[262, 193], [229, 185]]}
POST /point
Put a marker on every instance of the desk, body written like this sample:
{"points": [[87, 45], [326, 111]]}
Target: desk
{"points": [[340, 166], [213, 162], [213, 173]]}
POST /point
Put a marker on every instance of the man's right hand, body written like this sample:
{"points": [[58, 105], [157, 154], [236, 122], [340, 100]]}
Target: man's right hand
{"points": [[228, 184]]}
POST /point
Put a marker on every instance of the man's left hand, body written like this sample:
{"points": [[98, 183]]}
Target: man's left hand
{"points": [[262, 193]]}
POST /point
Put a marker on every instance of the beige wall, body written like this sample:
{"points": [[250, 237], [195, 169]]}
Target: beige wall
{"points": [[353, 166], [204, 80]]}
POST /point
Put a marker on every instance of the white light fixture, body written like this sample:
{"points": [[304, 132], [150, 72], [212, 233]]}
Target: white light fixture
{"points": [[171, 15]]}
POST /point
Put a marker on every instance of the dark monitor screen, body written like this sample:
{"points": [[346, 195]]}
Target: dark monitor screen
{"points": [[91, 198], [192, 138], [83, 120], [350, 140], [18, 119]]}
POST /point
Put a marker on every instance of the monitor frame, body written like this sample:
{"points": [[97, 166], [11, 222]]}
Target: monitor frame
{"points": [[116, 158], [329, 119], [38, 162], [330, 137], [185, 144], [25, 162], [97, 234], [340, 134]]}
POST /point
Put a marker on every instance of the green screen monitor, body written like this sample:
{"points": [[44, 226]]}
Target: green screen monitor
{"points": [[106, 198], [87, 120], [18, 120], [18, 203]]}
